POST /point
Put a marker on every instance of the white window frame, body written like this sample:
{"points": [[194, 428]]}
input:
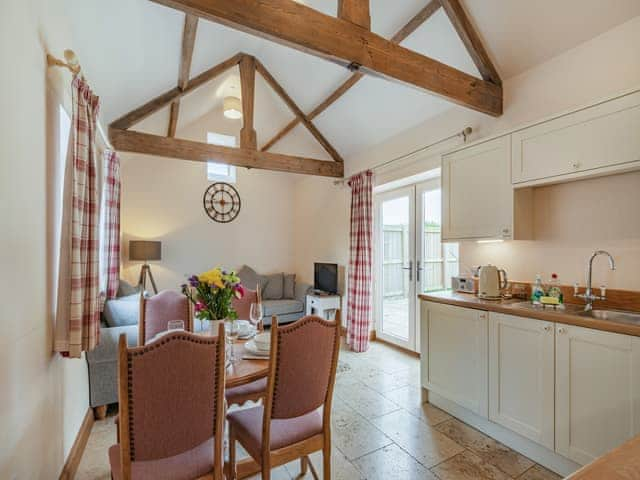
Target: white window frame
{"points": [[213, 175]]}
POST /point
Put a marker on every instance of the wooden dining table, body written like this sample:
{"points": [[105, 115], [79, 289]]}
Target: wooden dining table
{"points": [[243, 370]]}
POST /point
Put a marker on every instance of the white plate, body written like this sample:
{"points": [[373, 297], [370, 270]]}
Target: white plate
{"points": [[251, 347], [250, 334]]}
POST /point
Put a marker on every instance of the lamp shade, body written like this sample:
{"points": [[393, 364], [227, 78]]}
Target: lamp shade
{"points": [[232, 107], [144, 250]]}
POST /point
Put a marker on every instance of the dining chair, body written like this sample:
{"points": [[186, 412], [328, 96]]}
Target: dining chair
{"points": [[295, 419], [157, 311], [171, 408], [257, 389]]}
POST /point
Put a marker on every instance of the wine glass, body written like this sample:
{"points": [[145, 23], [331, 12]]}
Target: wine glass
{"points": [[255, 315], [233, 330]]}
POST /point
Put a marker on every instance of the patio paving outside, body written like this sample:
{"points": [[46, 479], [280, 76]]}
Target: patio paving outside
{"points": [[396, 317]]}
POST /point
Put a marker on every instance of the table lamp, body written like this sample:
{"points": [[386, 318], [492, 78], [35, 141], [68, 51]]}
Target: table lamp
{"points": [[145, 251]]}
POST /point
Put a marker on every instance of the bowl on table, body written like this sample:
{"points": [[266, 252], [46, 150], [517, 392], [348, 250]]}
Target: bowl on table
{"points": [[263, 341]]}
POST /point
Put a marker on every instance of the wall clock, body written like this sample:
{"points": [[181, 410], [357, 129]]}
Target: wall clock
{"points": [[221, 202]]}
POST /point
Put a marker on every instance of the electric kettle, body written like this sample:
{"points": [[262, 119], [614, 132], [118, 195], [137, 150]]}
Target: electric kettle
{"points": [[491, 281]]}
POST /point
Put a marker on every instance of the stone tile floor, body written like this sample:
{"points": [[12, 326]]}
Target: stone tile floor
{"points": [[381, 430]]}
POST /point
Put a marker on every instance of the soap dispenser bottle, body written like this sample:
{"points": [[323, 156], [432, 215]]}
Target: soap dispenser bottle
{"points": [[537, 291]]}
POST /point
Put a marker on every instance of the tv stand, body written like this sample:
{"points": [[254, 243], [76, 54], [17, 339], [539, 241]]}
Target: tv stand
{"points": [[323, 305]]}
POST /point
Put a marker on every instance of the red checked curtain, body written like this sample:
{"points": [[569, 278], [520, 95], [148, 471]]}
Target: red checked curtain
{"points": [[111, 224], [360, 262], [77, 316]]}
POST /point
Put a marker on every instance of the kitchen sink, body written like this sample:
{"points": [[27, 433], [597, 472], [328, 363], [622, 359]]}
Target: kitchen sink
{"points": [[566, 308], [613, 316]]}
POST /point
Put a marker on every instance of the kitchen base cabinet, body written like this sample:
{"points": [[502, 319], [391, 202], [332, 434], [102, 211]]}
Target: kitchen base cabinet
{"points": [[454, 354], [521, 376], [597, 391]]}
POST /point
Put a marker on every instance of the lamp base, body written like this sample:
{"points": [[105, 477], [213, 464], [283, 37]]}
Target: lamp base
{"points": [[145, 271]]}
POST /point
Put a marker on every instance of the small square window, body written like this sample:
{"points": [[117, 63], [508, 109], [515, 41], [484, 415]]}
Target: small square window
{"points": [[221, 172]]}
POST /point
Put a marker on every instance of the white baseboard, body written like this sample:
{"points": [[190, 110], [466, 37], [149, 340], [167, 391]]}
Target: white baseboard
{"points": [[539, 454]]}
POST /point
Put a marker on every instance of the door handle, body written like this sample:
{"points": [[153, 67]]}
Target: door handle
{"points": [[410, 268], [418, 270]]}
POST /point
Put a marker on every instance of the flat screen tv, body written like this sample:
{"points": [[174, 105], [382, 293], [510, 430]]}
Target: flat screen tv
{"points": [[325, 278]]}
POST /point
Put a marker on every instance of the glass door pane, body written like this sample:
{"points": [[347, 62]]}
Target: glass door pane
{"points": [[438, 261], [395, 266]]}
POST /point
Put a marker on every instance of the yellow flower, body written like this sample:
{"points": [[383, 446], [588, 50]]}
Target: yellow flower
{"points": [[212, 277]]}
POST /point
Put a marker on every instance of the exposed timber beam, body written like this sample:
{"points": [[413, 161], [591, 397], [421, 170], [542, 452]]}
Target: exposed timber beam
{"points": [[152, 106], [298, 26], [471, 40], [411, 26], [188, 42], [356, 12], [130, 141], [248, 90], [297, 112]]}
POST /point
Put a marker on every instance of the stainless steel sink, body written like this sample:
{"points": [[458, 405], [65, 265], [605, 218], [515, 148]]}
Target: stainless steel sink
{"points": [[612, 316], [566, 308]]}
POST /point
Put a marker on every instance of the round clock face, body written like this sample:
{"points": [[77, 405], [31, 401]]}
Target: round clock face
{"points": [[221, 202]]}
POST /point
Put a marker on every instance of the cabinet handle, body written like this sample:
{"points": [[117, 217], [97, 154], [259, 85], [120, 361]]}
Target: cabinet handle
{"points": [[561, 330], [576, 165], [547, 328]]}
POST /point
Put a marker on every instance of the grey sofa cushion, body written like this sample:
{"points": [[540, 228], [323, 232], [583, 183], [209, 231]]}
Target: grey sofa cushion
{"points": [[250, 278], [125, 289], [122, 311], [274, 288], [289, 289], [281, 307]]}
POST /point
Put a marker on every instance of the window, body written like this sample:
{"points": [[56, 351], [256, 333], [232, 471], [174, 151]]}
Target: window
{"points": [[440, 260], [221, 172]]}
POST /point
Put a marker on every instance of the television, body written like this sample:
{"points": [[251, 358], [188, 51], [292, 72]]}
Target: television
{"points": [[325, 277]]}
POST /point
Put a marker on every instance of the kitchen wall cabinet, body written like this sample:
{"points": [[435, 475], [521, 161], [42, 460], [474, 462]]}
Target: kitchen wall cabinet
{"points": [[454, 354], [597, 391], [521, 376], [601, 139], [478, 200]]}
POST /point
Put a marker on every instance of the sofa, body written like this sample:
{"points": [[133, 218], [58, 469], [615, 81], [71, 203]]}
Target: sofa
{"points": [[120, 315], [281, 294]]}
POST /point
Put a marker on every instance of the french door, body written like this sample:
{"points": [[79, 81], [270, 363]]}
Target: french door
{"points": [[409, 259]]}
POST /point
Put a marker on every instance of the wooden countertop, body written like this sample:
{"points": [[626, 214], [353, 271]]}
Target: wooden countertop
{"points": [[622, 463], [568, 316]]}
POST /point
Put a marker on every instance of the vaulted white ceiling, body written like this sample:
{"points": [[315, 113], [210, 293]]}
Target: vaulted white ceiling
{"points": [[130, 51]]}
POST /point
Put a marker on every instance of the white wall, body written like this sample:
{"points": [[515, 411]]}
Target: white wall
{"points": [[44, 397], [162, 199], [601, 67]]}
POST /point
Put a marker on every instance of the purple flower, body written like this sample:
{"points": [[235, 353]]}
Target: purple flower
{"points": [[193, 281]]}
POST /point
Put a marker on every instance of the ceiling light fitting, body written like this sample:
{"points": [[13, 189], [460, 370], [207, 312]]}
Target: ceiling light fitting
{"points": [[232, 107]]}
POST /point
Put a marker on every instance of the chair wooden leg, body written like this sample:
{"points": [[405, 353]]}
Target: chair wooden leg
{"points": [[232, 454], [326, 462], [304, 465], [266, 468]]}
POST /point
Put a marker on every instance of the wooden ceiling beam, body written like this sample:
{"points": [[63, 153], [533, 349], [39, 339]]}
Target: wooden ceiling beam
{"points": [[471, 40], [248, 89], [356, 12], [145, 143], [152, 106], [297, 111], [298, 26], [188, 43], [411, 26]]}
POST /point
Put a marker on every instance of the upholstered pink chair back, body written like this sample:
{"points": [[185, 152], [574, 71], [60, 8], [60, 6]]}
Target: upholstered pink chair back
{"points": [[171, 394], [242, 306], [160, 309], [306, 354]]}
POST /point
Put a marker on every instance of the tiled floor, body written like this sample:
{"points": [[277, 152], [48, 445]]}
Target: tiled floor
{"points": [[380, 431]]}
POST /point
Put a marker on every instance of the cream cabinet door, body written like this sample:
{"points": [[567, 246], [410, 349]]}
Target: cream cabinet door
{"points": [[521, 376], [454, 354], [477, 195], [580, 143], [597, 391]]}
